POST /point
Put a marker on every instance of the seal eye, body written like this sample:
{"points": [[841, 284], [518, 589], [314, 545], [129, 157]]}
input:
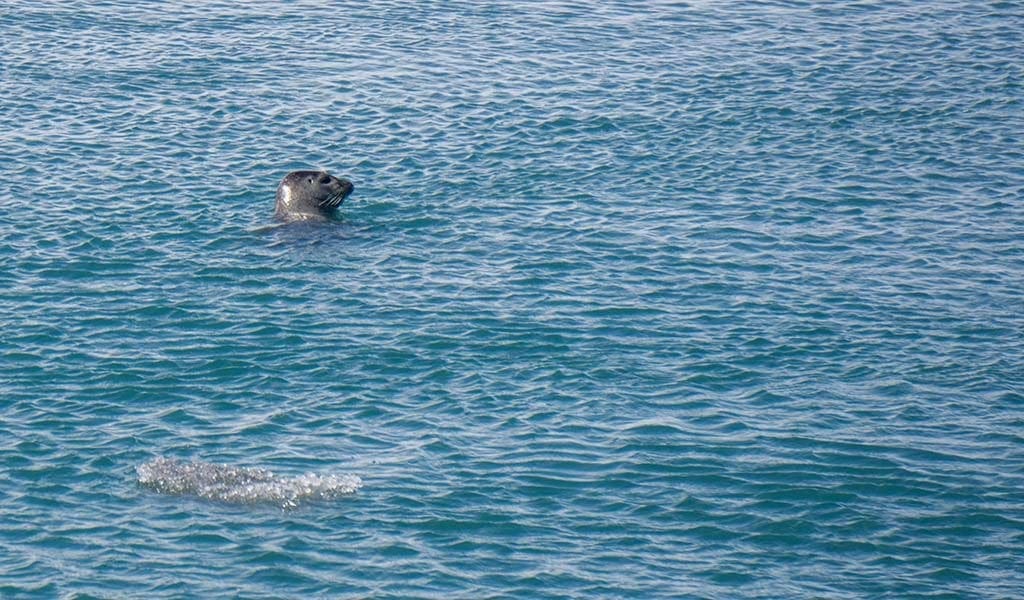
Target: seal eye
{"points": [[325, 180]]}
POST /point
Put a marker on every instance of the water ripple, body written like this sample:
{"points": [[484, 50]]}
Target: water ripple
{"points": [[681, 300]]}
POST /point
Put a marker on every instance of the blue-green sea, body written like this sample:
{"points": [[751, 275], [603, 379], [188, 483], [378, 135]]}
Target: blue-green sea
{"points": [[646, 299]]}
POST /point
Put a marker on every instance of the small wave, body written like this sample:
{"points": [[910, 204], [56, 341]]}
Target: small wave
{"points": [[241, 485]]}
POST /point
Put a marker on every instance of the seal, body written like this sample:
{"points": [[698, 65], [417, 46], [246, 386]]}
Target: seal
{"points": [[310, 195]]}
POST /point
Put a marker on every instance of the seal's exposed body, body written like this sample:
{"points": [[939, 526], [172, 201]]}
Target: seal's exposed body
{"points": [[310, 195]]}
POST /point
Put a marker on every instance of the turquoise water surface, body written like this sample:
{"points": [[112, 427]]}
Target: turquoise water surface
{"points": [[631, 300]]}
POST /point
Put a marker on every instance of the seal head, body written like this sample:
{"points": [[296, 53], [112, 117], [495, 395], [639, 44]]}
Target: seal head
{"points": [[310, 195]]}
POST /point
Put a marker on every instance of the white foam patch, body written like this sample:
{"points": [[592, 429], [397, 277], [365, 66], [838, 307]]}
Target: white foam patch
{"points": [[241, 485]]}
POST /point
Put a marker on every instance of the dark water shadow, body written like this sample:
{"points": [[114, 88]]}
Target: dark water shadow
{"points": [[311, 232]]}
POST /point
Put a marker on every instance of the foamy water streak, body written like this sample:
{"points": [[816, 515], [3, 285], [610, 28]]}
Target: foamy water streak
{"points": [[243, 485]]}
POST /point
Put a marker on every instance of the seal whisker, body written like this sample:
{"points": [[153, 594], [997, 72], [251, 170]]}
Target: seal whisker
{"points": [[335, 200], [326, 201]]}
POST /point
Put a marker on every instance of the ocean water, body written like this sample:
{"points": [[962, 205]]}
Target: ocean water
{"points": [[632, 300]]}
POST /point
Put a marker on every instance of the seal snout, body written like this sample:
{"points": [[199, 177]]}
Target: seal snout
{"points": [[340, 188], [346, 186]]}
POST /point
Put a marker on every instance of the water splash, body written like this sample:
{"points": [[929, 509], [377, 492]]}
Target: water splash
{"points": [[241, 485]]}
